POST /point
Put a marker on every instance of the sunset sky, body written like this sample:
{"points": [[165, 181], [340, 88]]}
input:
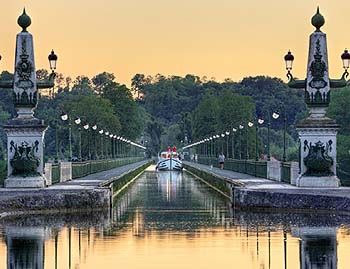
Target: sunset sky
{"points": [[221, 39]]}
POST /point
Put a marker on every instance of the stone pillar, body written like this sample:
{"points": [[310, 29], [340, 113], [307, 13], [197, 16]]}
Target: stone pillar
{"points": [[25, 134], [317, 133]]}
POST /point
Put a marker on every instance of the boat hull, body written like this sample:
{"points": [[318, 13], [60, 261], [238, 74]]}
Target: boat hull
{"points": [[169, 164]]}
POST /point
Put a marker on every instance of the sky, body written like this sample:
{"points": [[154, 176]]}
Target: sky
{"points": [[217, 39]]}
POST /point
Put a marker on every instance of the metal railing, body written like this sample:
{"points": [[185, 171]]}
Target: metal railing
{"points": [[250, 167], [81, 169], [285, 172]]}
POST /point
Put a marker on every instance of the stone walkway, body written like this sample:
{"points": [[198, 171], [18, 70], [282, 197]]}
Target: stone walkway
{"points": [[247, 180], [94, 180], [84, 183], [251, 183], [79, 194]]}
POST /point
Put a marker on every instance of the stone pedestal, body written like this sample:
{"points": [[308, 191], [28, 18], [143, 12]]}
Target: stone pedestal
{"points": [[25, 134], [320, 131]]}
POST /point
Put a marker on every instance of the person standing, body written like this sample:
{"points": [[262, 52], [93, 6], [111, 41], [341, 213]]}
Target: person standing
{"points": [[221, 160]]}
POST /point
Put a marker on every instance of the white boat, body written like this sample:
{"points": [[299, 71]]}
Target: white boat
{"points": [[169, 160]]}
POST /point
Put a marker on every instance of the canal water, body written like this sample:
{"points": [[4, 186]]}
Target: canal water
{"points": [[172, 220]]}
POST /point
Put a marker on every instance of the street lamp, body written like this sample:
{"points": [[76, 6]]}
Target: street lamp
{"points": [[94, 128], [222, 143], [106, 145], [259, 122], [250, 125], [346, 61], [65, 117], [111, 143], [101, 138], [227, 133], [53, 61], [234, 130], [240, 140], [275, 116], [86, 127], [77, 122]]}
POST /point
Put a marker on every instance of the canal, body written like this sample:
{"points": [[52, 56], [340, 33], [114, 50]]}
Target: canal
{"points": [[171, 220]]}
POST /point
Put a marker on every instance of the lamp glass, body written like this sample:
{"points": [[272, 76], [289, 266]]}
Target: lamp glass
{"points": [[275, 115], [261, 121], [64, 117], [346, 63]]}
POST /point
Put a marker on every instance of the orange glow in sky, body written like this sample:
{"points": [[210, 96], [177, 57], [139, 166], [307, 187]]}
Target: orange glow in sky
{"points": [[221, 39]]}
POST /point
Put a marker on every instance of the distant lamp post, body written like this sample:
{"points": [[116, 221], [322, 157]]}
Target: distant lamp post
{"points": [[346, 61], [227, 133], [284, 158], [259, 122], [222, 143], [250, 125], [106, 145], [275, 116], [240, 141], [234, 130], [111, 148], [77, 122], [94, 128], [101, 137], [86, 127], [56, 134], [65, 117]]}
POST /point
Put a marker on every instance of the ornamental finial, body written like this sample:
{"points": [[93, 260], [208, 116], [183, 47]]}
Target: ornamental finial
{"points": [[318, 20], [24, 21]]}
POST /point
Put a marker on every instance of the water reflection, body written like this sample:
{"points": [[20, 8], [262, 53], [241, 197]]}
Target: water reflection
{"points": [[171, 220], [318, 246]]}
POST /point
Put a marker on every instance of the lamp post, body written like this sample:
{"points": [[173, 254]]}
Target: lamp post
{"points": [[94, 128], [56, 134], [240, 141], [77, 122], [65, 117], [250, 125], [227, 133], [112, 146], [275, 116], [222, 143], [258, 122], [101, 140], [106, 145], [217, 147], [317, 132], [284, 158], [118, 146], [234, 130], [86, 127]]}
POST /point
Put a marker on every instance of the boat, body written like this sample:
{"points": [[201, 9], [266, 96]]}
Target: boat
{"points": [[169, 160]]}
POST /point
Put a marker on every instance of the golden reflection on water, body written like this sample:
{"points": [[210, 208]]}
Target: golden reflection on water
{"points": [[138, 239]]}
